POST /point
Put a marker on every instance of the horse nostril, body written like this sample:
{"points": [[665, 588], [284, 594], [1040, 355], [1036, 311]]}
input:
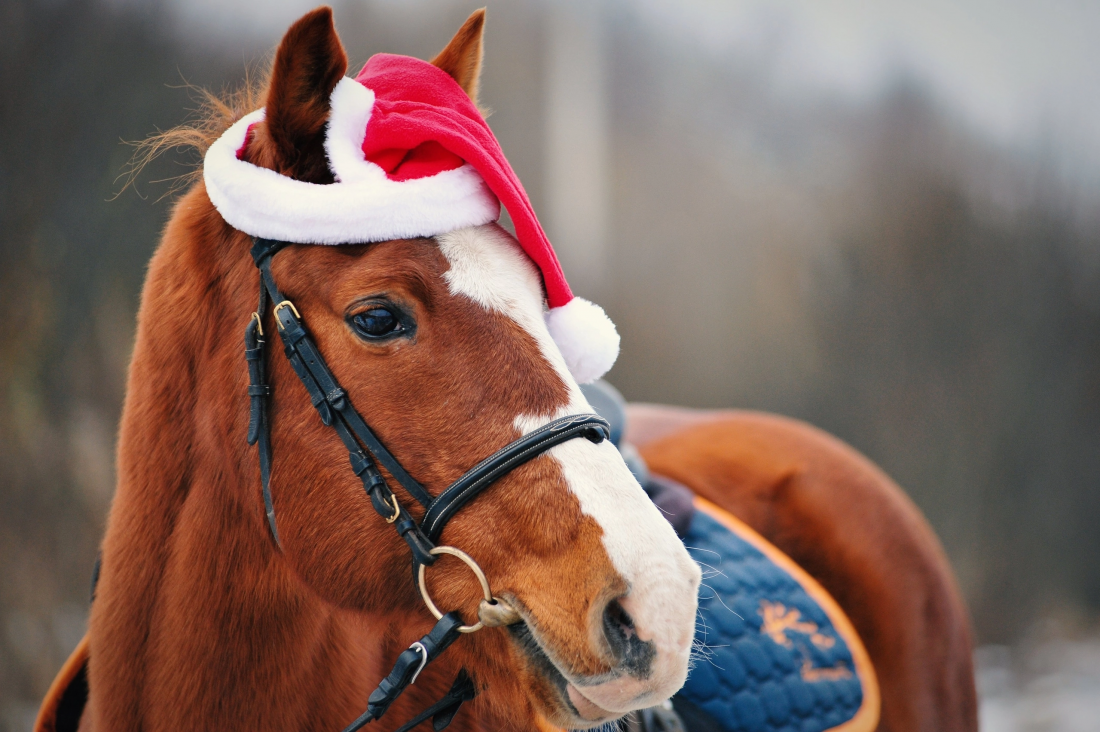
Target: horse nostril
{"points": [[633, 655], [618, 625]]}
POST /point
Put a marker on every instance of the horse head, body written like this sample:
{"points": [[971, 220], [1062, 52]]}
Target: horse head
{"points": [[443, 345]]}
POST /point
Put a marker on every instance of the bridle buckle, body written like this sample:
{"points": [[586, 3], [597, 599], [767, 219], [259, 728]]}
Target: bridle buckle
{"points": [[285, 304], [396, 509], [419, 647]]}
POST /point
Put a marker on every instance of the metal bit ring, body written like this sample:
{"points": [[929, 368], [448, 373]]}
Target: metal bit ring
{"points": [[469, 562]]}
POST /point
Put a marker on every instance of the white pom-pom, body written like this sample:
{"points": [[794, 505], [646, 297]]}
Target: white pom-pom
{"points": [[586, 337]]}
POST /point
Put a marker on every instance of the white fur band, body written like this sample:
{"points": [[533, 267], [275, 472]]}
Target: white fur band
{"points": [[364, 206]]}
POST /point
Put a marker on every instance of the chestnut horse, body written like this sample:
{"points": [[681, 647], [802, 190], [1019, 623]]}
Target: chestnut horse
{"points": [[201, 621]]}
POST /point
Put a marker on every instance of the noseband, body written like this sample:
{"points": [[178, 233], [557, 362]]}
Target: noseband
{"points": [[366, 453]]}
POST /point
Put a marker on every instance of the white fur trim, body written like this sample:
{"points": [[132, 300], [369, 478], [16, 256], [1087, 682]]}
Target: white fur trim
{"points": [[488, 266], [364, 206], [587, 338], [350, 104]]}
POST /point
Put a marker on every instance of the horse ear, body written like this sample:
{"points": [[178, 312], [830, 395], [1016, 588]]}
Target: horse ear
{"points": [[308, 64], [462, 56]]}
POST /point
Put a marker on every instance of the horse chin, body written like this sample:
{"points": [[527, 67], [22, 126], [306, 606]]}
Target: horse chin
{"points": [[568, 707]]}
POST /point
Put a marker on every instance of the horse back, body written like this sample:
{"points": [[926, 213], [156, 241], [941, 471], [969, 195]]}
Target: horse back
{"points": [[852, 528]]}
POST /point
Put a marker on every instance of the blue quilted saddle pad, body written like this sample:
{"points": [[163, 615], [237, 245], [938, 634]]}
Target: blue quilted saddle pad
{"points": [[774, 652]]}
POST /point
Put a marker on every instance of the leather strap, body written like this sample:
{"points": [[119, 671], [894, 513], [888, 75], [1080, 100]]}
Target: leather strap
{"points": [[258, 428], [335, 409], [327, 393], [507, 459], [444, 710], [409, 664]]}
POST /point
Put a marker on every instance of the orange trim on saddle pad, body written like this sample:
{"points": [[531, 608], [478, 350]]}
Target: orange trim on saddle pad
{"points": [[47, 713], [867, 717]]}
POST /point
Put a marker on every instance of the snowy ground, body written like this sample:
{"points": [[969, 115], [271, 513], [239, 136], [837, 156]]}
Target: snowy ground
{"points": [[1053, 686]]}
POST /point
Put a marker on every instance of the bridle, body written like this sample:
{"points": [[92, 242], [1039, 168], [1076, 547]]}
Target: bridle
{"points": [[366, 453]]}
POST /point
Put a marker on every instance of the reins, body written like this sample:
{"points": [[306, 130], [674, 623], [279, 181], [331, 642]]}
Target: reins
{"points": [[366, 452]]}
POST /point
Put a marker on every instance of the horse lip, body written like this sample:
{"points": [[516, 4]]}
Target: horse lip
{"points": [[593, 712], [524, 636]]}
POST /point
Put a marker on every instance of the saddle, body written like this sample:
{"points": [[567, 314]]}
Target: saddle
{"points": [[774, 651]]}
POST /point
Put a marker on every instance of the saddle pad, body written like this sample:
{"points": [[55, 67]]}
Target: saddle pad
{"points": [[68, 695], [775, 651]]}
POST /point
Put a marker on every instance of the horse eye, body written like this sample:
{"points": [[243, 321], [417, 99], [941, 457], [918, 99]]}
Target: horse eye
{"points": [[378, 322]]}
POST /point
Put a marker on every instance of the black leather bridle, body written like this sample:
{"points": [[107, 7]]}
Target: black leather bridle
{"points": [[366, 452]]}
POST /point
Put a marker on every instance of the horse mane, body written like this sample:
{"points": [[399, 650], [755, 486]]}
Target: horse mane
{"points": [[213, 114]]}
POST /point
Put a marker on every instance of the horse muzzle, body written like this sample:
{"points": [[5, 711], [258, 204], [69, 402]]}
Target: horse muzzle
{"points": [[639, 669]]}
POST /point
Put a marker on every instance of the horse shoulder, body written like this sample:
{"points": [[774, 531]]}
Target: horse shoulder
{"points": [[851, 527]]}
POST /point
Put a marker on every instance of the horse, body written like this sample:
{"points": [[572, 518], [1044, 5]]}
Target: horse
{"points": [[210, 613]]}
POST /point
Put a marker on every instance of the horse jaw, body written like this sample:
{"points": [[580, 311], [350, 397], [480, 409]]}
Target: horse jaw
{"points": [[489, 267]]}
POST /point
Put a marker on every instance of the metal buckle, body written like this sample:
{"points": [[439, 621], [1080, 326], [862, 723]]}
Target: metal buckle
{"points": [[418, 646], [396, 509], [286, 304], [259, 324]]}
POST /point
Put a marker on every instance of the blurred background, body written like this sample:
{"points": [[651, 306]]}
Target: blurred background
{"points": [[883, 218]]}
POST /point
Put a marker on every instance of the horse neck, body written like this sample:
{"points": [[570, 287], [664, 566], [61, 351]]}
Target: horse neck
{"points": [[196, 615]]}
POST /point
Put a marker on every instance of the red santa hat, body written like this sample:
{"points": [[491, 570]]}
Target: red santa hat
{"points": [[412, 157]]}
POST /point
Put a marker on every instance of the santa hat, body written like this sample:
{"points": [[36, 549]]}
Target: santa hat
{"points": [[412, 157]]}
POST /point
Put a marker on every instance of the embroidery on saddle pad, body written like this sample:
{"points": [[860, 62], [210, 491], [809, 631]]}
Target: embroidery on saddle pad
{"points": [[777, 654]]}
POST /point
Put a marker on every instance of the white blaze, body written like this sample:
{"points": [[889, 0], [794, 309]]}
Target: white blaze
{"points": [[488, 266]]}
